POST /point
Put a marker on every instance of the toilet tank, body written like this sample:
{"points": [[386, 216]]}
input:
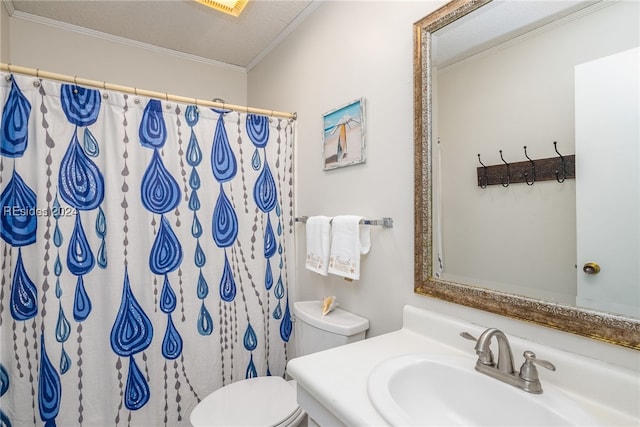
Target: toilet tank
{"points": [[315, 332]]}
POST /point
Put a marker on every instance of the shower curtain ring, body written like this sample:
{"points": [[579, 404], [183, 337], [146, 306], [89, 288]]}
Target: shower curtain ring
{"points": [[135, 91], [75, 84], [37, 82], [105, 95]]}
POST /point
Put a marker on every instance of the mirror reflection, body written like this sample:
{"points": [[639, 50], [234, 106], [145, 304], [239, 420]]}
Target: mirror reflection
{"points": [[511, 75], [522, 93]]}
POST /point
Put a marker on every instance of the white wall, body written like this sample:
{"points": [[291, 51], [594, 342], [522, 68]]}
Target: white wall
{"points": [[41, 44], [347, 50], [4, 33]]}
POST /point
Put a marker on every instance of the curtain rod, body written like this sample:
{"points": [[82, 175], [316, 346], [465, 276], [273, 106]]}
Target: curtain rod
{"points": [[142, 92]]}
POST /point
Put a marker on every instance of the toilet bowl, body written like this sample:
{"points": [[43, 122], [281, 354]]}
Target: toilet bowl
{"points": [[273, 399]]}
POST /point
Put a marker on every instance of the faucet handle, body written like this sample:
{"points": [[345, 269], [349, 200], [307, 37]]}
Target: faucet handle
{"points": [[530, 356], [470, 337], [529, 373]]}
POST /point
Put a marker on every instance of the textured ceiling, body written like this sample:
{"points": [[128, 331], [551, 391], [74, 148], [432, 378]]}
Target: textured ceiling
{"points": [[180, 25]]}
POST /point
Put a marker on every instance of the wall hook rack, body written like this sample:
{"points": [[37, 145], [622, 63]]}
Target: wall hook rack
{"points": [[529, 171]]}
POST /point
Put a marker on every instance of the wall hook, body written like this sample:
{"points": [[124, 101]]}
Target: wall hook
{"points": [[564, 164], [508, 173], [533, 169], [486, 176]]}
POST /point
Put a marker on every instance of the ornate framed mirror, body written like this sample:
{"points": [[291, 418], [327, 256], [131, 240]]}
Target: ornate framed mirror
{"points": [[620, 329]]}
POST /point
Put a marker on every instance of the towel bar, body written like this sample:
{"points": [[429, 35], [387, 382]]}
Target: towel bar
{"points": [[385, 222]]}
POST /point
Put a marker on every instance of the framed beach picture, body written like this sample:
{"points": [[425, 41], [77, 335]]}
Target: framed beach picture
{"points": [[344, 135]]}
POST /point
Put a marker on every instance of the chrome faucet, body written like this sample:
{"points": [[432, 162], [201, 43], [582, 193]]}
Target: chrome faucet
{"points": [[527, 379]]}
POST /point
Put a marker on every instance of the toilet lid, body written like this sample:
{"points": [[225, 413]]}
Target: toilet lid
{"points": [[261, 401]]}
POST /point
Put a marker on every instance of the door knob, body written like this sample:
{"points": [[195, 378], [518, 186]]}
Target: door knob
{"points": [[591, 268]]}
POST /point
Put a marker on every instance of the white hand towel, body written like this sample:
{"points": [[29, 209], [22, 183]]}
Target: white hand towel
{"points": [[349, 240], [318, 243]]}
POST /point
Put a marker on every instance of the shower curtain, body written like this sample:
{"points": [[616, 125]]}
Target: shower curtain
{"points": [[145, 251]]}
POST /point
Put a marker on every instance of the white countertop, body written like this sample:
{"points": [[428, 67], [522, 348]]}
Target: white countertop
{"points": [[336, 380]]}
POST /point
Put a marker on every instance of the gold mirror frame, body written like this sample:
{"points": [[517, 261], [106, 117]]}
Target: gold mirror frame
{"points": [[606, 327]]}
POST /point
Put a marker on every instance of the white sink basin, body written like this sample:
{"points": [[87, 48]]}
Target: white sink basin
{"points": [[439, 390]]}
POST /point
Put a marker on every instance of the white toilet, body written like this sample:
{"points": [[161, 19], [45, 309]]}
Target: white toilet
{"points": [[273, 400]]}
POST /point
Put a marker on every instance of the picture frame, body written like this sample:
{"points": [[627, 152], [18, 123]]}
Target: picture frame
{"points": [[343, 140]]}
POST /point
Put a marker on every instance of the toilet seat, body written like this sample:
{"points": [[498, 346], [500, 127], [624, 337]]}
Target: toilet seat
{"points": [[261, 401]]}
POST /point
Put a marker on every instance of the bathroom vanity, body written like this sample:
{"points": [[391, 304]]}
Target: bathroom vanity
{"points": [[348, 385]]}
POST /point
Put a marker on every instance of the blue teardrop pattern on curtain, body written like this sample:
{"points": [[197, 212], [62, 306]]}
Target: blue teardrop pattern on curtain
{"points": [[250, 340], [80, 258], [81, 302], [24, 294], [205, 322], [101, 224], [65, 362], [90, 144], [277, 312], [251, 371], [258, 129], [196, 227], [225, 221], [132, 330], [194, 180], [199, 258], [279, 291], [265, 192], [191, 115], [49, 387], [223, 161], [63, 328], [159, 190], [136, 391], [268, 276], [168, 298], [172, 342], [18, 220], [153, 129], [270, 243], [4, 419], [57, 236], [202, 286], [81, 105], [166, 253], [80, 182], [286, 326], [15, 119], [194, 202], [256, 161], [4, 380], [101, 232], [4, 387], [227, 282]]}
